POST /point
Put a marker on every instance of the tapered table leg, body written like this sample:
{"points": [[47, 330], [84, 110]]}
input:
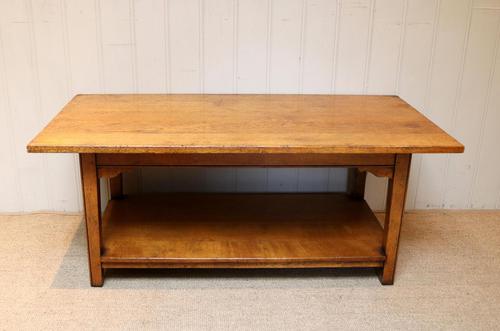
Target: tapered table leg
{"points": [[116, 187], [356, 183], [396, 196], [90, 184]]}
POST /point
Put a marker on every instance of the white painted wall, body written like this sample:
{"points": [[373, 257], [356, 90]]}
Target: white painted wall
{"points": [[442, 56]]}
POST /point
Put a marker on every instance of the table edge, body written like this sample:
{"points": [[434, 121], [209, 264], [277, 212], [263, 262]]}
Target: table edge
{"points": [[458, 148]]}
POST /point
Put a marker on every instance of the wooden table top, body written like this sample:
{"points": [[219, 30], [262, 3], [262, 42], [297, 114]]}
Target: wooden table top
{"points": [[139, 123]]}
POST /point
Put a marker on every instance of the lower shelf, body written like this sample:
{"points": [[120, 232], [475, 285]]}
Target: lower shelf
{"points": [[240, 231]]}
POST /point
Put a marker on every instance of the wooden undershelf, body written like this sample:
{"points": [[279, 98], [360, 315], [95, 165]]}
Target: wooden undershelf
{"points": [[240, 231]]}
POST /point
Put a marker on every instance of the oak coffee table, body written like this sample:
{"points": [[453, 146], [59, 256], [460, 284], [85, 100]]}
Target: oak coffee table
{"points": [[115, 133]]}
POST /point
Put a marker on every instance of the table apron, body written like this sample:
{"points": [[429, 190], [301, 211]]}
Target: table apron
{"points": [[237, 159]]}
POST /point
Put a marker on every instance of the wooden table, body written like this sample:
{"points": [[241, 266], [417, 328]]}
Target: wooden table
{"points": [[114, 133]]}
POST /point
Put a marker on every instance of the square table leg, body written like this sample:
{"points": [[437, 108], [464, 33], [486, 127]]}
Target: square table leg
{"points": [[90, 185], [356, 183], [116, 187], [396, 196]]}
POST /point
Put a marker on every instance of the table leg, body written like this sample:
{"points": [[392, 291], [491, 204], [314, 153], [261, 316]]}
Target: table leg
{"points": [[356, 183], [393, 216], [116, 187], [90, 185]]}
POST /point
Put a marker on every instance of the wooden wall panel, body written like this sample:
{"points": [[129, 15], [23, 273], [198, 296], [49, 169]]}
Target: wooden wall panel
{"points": [[354, 34], [385, 48], [318, 46], [439, 55], [283, 179], [337, 180], [11, 196], [252, 45], [312, 180], [54, 86], [117, 40], [83, 46], [23, 95], [219, 31], [416, 66], [185, 46], [486, 180], [251, 179], [472, 105], [220, 180], [445, 79], [287, 21], [150, 51]]}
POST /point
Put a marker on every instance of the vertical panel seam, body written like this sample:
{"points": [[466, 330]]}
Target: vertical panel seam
{"points": [[369, 47], [402, 42], [98, 18], [235, 44], [135, 76], [269, 44], [201, 60], [338, 8], [457, 96], [235, 3], [67, 58], [303, 22], [133, 47], [268, 60], [38, 96], [334, 45], [69, 92], [167, 57], [430, 70], [338, 18], [484, 116], [201, 46]]}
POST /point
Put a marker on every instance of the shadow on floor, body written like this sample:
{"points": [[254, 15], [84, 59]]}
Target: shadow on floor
{"points": [[73, 273]]}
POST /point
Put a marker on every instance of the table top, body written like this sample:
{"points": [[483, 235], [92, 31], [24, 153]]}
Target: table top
{"points": [[147, 123]]}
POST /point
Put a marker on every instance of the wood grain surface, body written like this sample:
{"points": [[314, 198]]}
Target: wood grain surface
{"points": [[241, 124]]}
